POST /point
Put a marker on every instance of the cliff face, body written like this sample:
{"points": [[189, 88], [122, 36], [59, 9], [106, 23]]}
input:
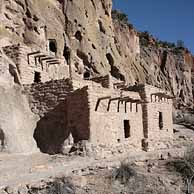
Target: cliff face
{"points": [[169, 70], [99, 44]]}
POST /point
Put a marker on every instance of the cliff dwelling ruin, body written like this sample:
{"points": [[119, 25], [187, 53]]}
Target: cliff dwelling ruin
{"points": [[103, 113], [89, 104]]}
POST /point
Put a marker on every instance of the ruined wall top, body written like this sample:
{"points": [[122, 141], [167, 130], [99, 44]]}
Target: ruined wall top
{"points": [[147, 91]]}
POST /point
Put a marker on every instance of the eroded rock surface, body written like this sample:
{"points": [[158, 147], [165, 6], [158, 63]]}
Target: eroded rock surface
{"points": [[99, 44], [17, 123]]}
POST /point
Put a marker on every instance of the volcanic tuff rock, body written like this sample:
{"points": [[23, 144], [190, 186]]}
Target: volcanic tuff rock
{"points": [[17, 122], [167, 69], [99, 44]]}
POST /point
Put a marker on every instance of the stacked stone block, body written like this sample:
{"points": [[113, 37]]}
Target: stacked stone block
{"points": [[154, 136], [27, 64], [78, 114], [103, 127], [44, 97], [48, 101], [105, 81]]}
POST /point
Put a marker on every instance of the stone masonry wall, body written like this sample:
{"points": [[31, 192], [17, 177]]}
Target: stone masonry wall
{"points": [[107, 126], [158, 137], [48, 100], [78, 114], [26, 65], [105, 81], [44, 97]]}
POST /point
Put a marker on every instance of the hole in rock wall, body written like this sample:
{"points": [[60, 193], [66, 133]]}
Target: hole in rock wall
{"points": [[93, 46], [127, 128], [53, 46], [101, 27], [110, 59], [86, 13], [114, 70], [84, 58], [86, 75], [160, 120], [163, 63], [51, 130], [78, 36], [177, 79], [66, 53], [181, 95], [37, 77], [28, 13], [12, 71]]}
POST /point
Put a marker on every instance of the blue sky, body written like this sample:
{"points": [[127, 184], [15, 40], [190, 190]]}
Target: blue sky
{"points": [[168, 20]]}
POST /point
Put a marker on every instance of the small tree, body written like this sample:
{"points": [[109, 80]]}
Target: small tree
{"points": [[121, 17], [180, 44]]}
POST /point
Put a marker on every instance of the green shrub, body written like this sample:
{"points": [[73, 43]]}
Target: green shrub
{"points": [[121, 17]]}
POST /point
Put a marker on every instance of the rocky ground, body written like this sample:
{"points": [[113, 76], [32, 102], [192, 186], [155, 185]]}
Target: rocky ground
{"points": [[143, 172]]}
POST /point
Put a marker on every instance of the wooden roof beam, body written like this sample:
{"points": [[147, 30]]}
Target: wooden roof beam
{"points": [[46, 58], [159, 94], [33, 53], [39, 57], [112, 99], [98, 102], [54, 63]]}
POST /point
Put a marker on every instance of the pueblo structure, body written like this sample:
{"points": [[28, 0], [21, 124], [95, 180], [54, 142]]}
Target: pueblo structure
{"points": [[86, 114]]}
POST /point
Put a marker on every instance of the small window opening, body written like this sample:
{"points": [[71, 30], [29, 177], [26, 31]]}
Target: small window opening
{"points": [[127, 128], [52, 46], [37, 77], [160, 120], [87, 75]]}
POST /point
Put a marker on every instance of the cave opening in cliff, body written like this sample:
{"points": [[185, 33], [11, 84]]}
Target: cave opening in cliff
{"points": [[84, 57], [87, 75], [110, 59], [78, 36], [66, 53], [53, 46], [114, 70], [163, 63]]}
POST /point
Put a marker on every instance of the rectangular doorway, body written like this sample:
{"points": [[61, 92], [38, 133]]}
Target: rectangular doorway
{"points": [[37, 77], [127, 128], [160, 120]]}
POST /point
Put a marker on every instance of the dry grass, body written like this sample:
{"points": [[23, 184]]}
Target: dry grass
{"points": [[124, 173]]}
